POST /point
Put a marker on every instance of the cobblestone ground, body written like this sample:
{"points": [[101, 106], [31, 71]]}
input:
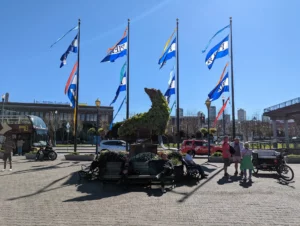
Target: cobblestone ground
{"points": [[48, 193]]}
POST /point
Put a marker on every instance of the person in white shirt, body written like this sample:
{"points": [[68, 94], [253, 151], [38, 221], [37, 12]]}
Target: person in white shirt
{"points": [[189, 159]]}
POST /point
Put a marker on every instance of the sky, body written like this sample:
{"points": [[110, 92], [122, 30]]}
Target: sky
{"points": [[265, 50]]}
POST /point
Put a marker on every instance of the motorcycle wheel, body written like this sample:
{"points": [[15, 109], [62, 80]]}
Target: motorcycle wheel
{"points": [[52, 155], [284, 169]]}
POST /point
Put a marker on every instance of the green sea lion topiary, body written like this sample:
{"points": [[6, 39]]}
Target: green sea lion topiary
{"points": [[155, 120]]}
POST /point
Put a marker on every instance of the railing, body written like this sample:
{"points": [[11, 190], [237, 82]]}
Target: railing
{"points": [[282, 105], [267, 145], [16, 119]]}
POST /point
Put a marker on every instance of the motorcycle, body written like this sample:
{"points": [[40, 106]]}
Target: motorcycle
{"points": [[46, 153]]}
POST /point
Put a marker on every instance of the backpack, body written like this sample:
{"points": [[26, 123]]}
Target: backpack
{"points": [[231, 150]]}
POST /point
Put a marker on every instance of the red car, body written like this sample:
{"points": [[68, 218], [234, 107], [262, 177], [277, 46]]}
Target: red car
{"points": [[199, 147]]}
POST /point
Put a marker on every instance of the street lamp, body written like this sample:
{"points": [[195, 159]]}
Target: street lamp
{"points": [[208, 102], [223, 99], [3, 98], [55, 122], [97, 102]]}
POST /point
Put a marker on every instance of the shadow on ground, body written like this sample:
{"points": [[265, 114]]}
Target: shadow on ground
{"points": [[38, 168]]}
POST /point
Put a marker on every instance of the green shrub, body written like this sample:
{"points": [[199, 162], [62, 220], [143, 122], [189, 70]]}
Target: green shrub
{"points": [[217, 154], [73, 153], [144, 157], [293, 156]]}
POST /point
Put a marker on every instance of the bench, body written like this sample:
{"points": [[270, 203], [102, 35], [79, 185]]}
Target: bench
{"points": [[142, 174]]}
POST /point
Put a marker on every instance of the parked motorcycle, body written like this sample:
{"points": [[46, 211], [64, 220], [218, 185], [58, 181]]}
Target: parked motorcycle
{"points": [[46, 153]]}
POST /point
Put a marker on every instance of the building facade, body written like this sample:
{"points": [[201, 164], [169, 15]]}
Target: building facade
{"points": [[57, 115], [241, 115], [212, 113]]}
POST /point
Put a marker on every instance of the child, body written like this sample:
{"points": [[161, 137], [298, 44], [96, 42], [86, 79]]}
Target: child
{"points": [[246, 163]]}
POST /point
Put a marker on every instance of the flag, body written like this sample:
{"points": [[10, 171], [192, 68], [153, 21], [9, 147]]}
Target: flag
{"points": [[74, 28], [203, 51], [167, 43], [118, 50], [172, 106], [220, 112], [70, 77], [218, 51], [223, 86], [122, 87], [221, 77], [168, 54], [171, 88], [72, 48], [111, 124], [122, 72], [72, 90]]}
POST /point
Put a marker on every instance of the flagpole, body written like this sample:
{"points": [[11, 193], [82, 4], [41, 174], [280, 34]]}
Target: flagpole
{"points": [[77, 89], [127, 77], [232, 83], [177, 84]]}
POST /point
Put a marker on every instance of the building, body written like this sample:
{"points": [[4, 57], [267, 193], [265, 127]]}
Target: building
{"points": [[212, 113], [180, 112], [265, 119], [57, 115], [241, 115]]}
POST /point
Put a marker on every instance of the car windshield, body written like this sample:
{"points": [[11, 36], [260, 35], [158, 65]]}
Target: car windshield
{"points": [[188, 142]]}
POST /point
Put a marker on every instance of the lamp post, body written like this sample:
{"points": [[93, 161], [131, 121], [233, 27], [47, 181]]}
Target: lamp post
{"points": [[97, 102], [3, 98], [208, 102], [223, 99], [55, 121]]}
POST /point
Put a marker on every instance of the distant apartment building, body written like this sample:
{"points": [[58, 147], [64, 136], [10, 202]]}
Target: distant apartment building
{"points": [[241, 115], [212, 113]]}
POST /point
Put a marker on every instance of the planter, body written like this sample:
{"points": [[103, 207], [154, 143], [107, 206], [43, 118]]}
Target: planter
{"points": [[30, 156], [293, 159], [215, 159], [113, 168], [80, 157]]}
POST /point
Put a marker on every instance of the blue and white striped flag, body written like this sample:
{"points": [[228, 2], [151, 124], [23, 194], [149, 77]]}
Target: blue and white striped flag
{"points": [[171, 89], [168, 54], [72, 90], [111, 124], [218, 51], [72, 48], [74, 28], [119, 50], [122, 86], [218, 32], [222, 87]]}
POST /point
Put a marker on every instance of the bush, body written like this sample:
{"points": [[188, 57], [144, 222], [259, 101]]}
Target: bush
{"points": [[217, 154], [144, 157], [73, 153], [293, 156]]}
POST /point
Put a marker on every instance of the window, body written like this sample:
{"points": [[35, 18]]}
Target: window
{"points": [[41, 114], [198, 143], [95, 117], [69, 116], [188, 142], [61, 116], [65, 116], [82, 118]]}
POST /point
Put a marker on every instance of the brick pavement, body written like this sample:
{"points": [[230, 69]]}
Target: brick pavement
{"points": [[48, 193]]}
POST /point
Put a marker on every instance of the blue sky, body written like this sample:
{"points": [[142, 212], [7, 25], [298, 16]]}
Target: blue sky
{"points": [[265, 48]]}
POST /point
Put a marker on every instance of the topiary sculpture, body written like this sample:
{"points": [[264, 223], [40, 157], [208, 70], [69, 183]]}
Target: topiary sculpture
{"points": [[155, 120]]}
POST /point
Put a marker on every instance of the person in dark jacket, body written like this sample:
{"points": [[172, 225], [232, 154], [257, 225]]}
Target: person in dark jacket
{"points": [[8, 146], [168, 169]]}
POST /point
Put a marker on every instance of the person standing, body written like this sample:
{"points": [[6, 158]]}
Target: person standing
{"points": [[226, 155], [8, 146], [246, 163], [20, 144], [236, 158]]}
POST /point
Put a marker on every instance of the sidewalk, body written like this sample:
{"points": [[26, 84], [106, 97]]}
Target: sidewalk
{"points": [[49, 193]]}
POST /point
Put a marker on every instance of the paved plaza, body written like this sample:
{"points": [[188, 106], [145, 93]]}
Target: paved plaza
{"points": [[49, 193]]}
